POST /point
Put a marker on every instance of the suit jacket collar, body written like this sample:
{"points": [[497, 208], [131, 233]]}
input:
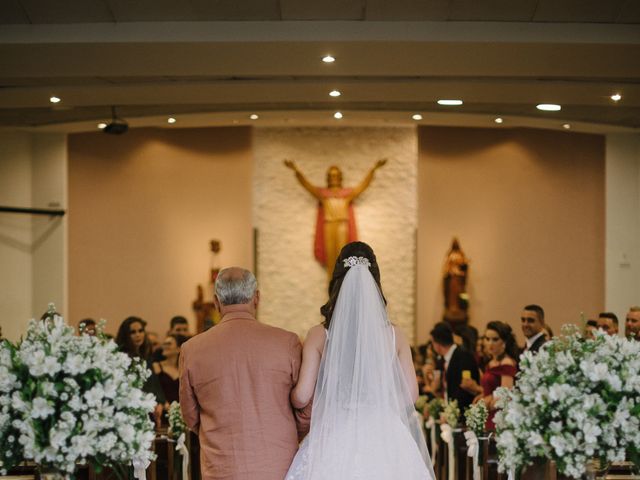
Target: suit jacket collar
{"points": [[449, 355], [237, 312], [533, 340]]}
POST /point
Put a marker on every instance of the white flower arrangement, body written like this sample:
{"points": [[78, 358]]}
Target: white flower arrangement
{"points": [[451, 413], [67, 399], [574, 401], [476, 417], [421, 403], [435, 407], [177, 426]]}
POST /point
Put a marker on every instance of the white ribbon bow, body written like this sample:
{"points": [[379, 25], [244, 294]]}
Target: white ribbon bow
{"points": [[431, 425], [140, 467], [181, 448], [512, 474], [446, 433], [473, 451]]}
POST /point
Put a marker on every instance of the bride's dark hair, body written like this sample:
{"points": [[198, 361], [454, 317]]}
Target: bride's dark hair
{"points": [[353, 249]]}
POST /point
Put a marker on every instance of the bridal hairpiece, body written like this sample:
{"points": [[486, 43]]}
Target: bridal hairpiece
{"points": [[353, 261]]}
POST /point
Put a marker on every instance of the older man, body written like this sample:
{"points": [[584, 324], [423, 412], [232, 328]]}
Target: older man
{"points": [[632, 325], [532, 320], [235, 382]]}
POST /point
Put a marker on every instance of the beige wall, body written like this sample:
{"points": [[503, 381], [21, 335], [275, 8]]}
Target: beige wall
{"points": [[528, 208], [32, 247], [142, 209], [15, 234]]}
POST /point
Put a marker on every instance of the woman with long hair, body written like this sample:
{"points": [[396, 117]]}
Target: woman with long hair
{"points": [[132, 340], [357, 369], [501, 347]]}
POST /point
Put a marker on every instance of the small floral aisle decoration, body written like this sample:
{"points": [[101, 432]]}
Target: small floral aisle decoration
{"points": [[178, 430], [476, 419], [421, 403], [450, 418], [451, 414], [432, 411], [576, 400], [67, 399]]}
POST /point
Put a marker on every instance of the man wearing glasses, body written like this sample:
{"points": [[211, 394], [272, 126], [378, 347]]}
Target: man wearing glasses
{"points": [[532, 319]]}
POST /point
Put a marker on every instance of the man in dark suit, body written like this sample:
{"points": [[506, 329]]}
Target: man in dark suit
{"points": [[456, 361], [532, 319]]}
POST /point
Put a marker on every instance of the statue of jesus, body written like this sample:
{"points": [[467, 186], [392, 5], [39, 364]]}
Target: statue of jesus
{"points": [[335, 224]]}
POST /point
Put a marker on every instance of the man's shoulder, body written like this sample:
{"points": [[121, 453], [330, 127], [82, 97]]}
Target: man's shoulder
{"points": [[462, 355], [278, 333]]}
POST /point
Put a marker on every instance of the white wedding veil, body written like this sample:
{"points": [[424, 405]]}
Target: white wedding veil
{"points": [[363, 421]]}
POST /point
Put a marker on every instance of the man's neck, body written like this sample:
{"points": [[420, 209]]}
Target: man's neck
{"points": [[238, 308]]}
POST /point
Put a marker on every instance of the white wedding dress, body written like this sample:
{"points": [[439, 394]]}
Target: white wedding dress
{"points": [[363, 424]]}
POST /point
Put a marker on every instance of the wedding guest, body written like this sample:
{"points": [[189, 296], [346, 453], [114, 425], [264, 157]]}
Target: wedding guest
{"points": [[235, 383], [456, 363], [87, 326], [133, 341], [532, 320], [179, 326], [167, 369], [608, 323], [590, 327], [154, 341], [500, 371], [632, 324]]}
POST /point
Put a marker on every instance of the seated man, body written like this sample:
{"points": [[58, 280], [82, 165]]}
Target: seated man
{"points": [[608, 323], [179, 326], [632, 325]]}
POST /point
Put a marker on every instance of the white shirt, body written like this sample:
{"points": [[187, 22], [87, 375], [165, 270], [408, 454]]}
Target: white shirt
{"points": [[448, 355], [532, 340]]}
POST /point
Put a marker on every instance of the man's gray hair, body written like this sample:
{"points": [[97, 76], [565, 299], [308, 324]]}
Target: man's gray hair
{"points": [[235, 286]]}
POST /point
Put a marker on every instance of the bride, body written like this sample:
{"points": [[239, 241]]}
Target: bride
{"points": [[357, 369]]}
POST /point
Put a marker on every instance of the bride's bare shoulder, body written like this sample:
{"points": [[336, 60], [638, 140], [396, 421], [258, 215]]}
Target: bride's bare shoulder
{"points": [[316, 333]]}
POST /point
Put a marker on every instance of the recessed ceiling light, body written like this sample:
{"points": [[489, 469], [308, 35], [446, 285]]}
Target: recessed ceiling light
{"points": [[102, 126], [171, 120], [328, 59], [616, 97], [450, 102], [498, 120], [335, 93], [253, 116], [566, 126], [549, 107], [337, 115], [417, 116], [55, 100]]}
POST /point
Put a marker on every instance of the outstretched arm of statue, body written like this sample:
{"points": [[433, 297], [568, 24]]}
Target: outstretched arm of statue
{"points": [[367, 180], [308, 186]]}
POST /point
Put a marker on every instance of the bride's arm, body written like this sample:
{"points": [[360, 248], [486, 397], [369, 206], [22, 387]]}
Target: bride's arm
{"points": [[406, 363], [302, 393]]}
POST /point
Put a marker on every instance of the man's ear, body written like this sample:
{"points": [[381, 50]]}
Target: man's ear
{"points": [[256, 299], [216, 303]]}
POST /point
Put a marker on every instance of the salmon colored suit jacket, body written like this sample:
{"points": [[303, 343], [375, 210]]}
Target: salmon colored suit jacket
{"points": [[235, 382]]}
